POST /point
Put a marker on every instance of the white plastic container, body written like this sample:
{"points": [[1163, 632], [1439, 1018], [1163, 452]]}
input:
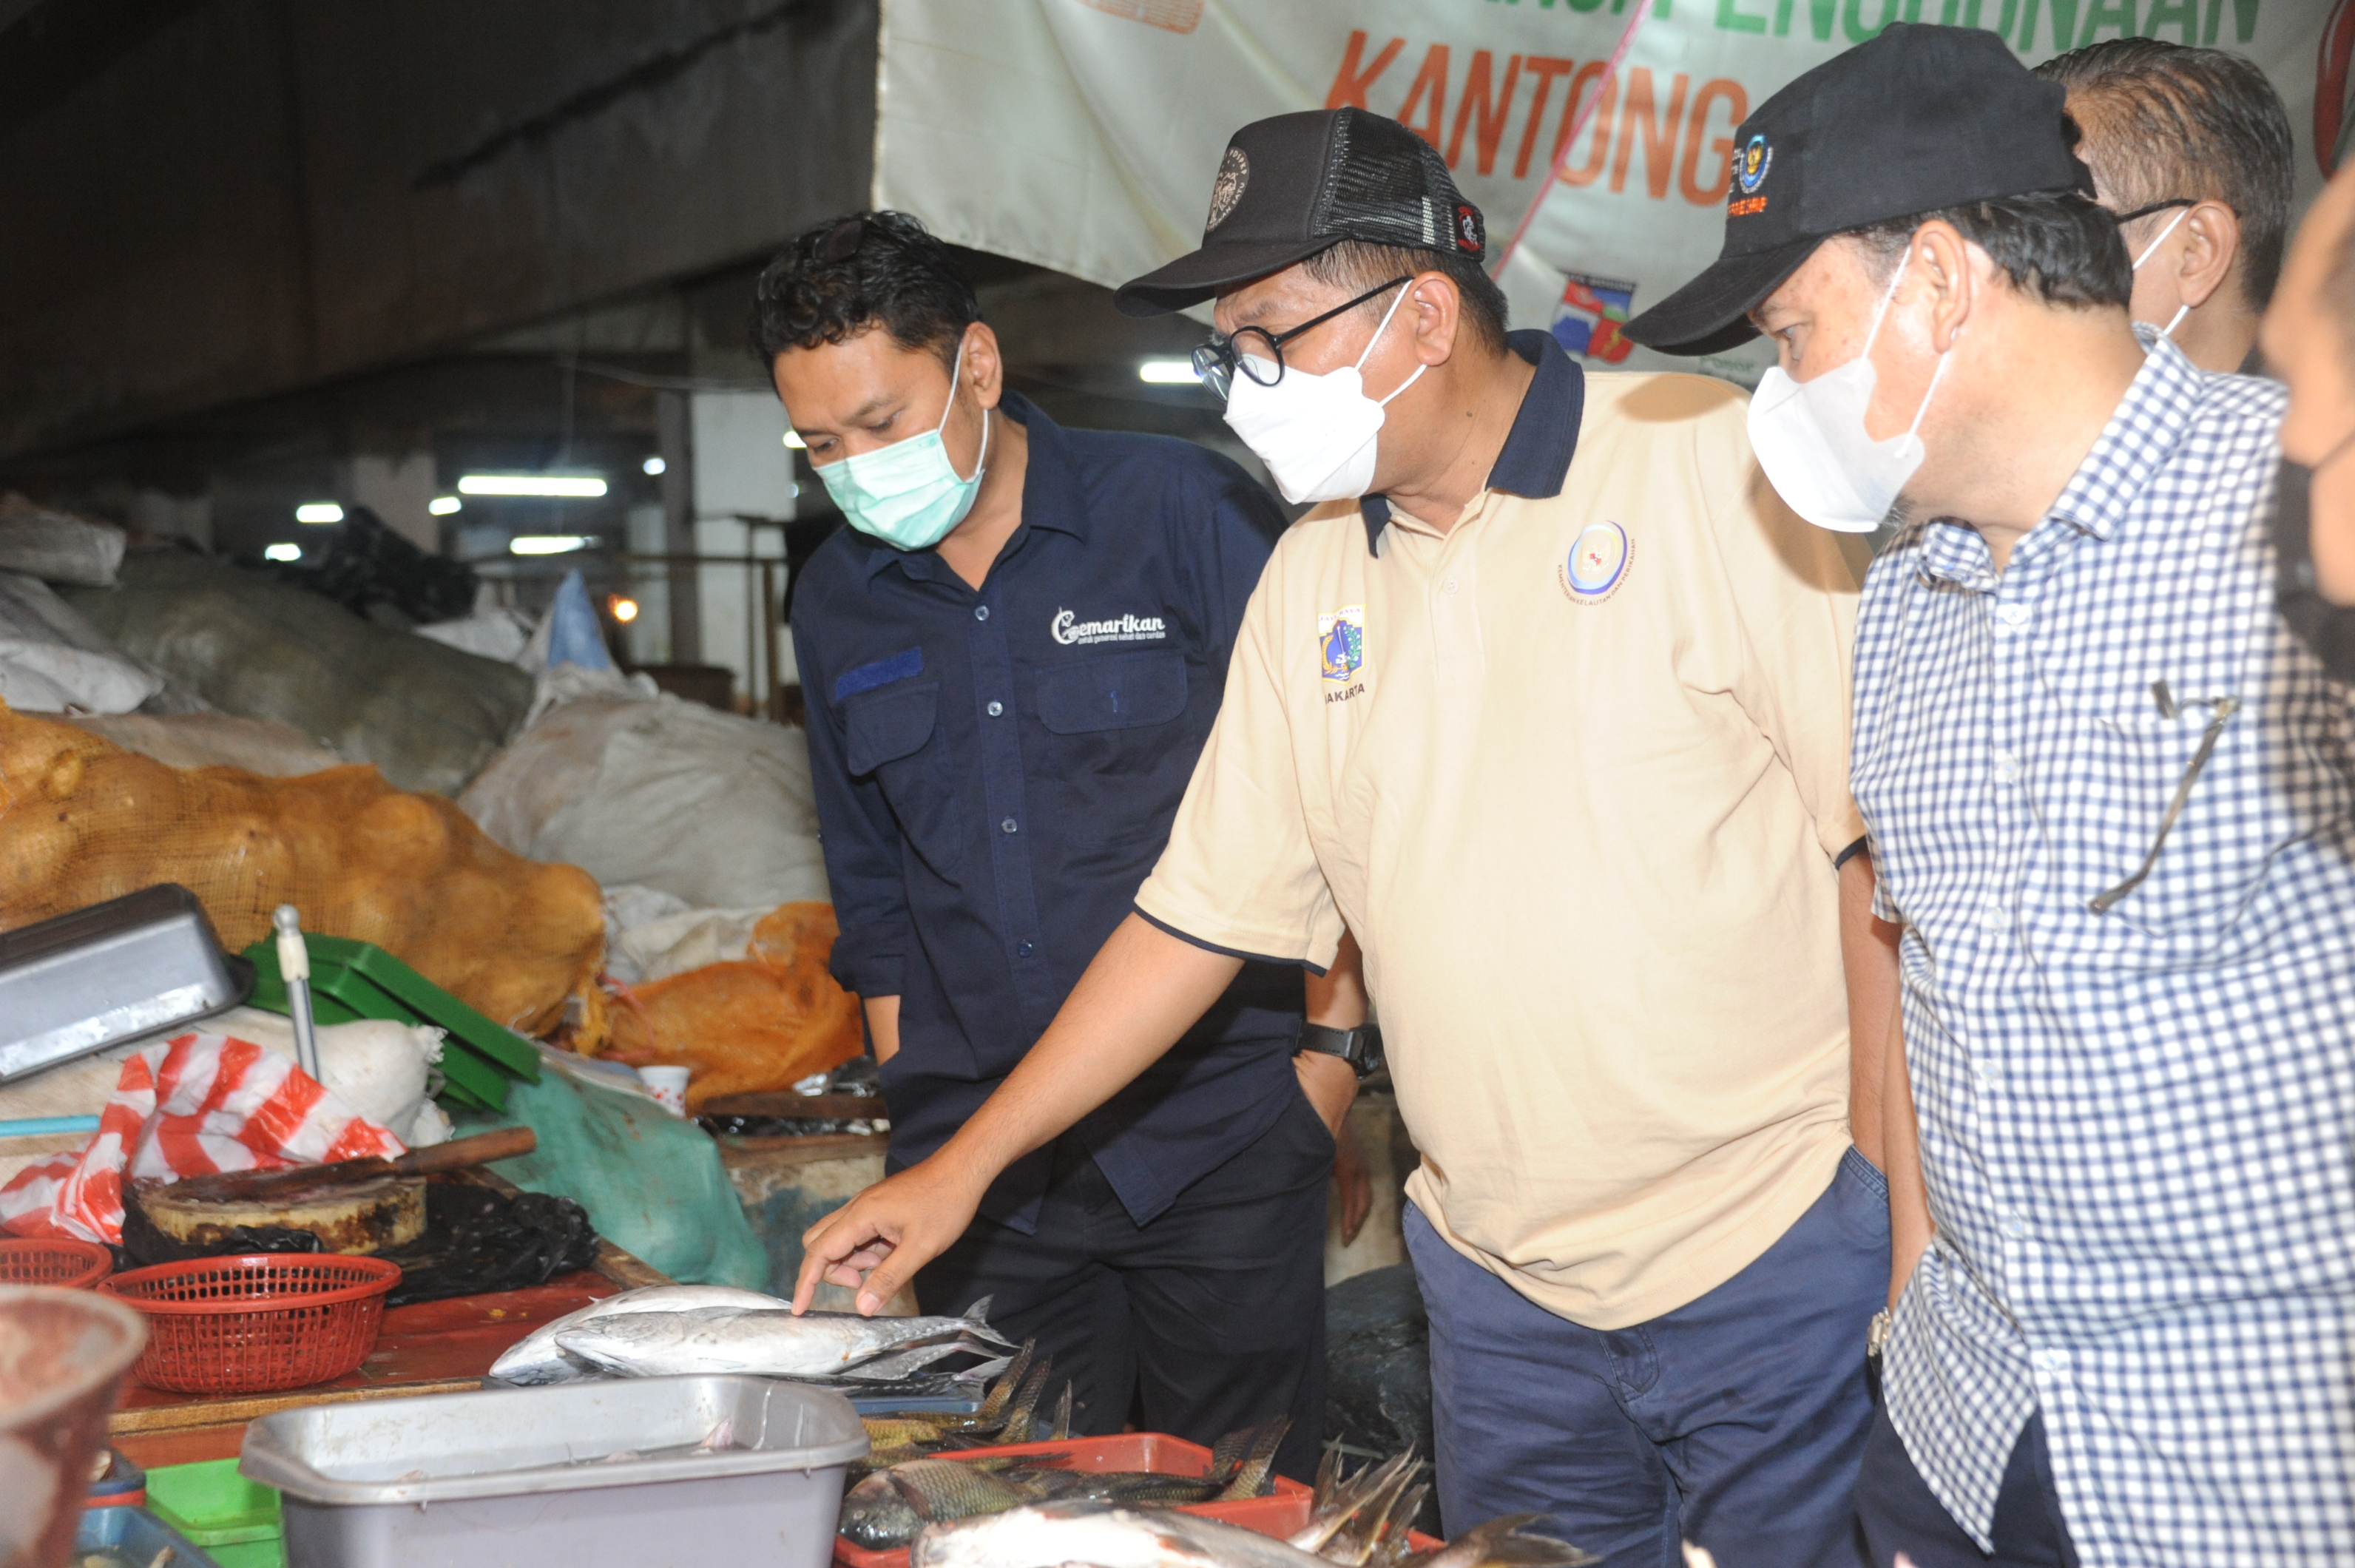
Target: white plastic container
{"points": [[522, 1478], [667, 1085]]}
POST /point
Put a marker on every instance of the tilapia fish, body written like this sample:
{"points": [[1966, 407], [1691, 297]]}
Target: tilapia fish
{"points": [[536, 1359], [769, 1344], [1047, 1535]]}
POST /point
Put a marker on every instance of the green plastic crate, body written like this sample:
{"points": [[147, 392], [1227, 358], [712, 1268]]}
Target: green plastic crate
{"points": [[359, 980], [235, 1520]]}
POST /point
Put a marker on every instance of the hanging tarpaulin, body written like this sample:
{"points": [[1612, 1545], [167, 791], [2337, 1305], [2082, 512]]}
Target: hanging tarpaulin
{"points": [[1083, 135]]}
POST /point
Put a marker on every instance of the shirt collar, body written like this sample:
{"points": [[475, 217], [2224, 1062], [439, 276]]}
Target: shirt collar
{"points": [[2150, 421], [1050, 494], [1544, 437], [2143, 431]]}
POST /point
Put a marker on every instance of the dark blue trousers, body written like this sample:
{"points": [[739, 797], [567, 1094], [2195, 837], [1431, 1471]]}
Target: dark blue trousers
{"points": [[1902, 1514], [1735, 1422]]}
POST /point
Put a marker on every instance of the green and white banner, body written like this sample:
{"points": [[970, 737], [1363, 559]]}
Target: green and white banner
{"points": [[1083, 135]]}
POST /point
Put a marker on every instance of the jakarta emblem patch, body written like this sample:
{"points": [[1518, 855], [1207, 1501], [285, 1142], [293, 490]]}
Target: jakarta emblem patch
{"points": [[1341, 643]]}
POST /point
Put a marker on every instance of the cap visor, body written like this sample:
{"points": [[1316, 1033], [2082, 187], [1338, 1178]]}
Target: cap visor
{"points": [[1195, 277], [1712, 314]]}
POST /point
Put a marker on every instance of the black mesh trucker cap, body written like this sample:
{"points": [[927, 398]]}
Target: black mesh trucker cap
{"points": [[1296, 184], [1919, 119]]}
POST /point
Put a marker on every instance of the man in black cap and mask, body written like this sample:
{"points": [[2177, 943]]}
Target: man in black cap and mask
{"points": [[1547, 702], [2113, 810]]}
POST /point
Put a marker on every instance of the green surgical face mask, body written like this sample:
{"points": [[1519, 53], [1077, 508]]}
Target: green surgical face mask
{"points": [[908, 494]]}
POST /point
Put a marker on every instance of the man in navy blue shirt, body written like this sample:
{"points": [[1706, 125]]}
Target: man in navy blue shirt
{"points": [[1011, 658]]}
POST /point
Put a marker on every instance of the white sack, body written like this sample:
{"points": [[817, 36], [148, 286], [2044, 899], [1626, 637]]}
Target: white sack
{"points": [[50, 677], [715, 810], [261, 746], [650, 936], [58, 547], [497, 633]]}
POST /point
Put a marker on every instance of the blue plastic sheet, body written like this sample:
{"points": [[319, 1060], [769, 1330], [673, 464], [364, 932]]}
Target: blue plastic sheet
{"points": [[574, 635], [652, 1183]]}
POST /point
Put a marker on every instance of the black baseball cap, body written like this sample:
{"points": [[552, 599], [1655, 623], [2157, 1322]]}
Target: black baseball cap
{"points": [[1296, 184], [1919, 119]]}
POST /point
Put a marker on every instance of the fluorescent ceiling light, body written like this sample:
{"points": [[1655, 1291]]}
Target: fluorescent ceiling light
{"points": [[793, 439], [442, 505], [318, 512], [587, 488], [1167, 372], [548, 544], [654, 466], [281, 552]]}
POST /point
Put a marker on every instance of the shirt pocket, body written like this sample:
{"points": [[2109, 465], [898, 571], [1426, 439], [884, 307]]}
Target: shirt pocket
{"points": [[2210, 860], [1114, 720], [896, 736]]}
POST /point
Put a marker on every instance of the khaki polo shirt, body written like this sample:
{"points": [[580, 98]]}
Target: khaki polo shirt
{"points": [[1575, 773]]}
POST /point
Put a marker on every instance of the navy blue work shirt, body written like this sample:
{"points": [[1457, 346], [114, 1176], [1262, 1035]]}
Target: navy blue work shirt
{"points": [[997, 771]]}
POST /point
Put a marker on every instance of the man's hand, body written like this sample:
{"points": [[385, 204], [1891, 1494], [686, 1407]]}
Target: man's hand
{"points": [[1330, 1084], [877, 1241], [1141, 992]]}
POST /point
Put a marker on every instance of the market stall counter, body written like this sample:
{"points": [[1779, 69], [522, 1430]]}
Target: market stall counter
{"points": [[432, 1346]]}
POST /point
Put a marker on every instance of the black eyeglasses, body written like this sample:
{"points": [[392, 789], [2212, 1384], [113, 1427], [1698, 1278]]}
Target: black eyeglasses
{"points": [[1259, 353]]}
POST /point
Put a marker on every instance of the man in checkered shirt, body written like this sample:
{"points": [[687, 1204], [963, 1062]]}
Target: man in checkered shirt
{"points": [[2112, 803]]}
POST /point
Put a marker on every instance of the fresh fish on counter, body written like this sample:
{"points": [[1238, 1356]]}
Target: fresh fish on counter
{"points": [[770, 1344], [1046, 1535], [535, 1358]]}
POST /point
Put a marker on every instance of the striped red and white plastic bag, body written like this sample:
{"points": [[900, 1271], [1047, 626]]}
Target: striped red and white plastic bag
{"points": [[201, 1103]]}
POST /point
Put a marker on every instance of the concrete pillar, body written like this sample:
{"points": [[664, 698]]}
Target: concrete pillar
{"points": [[399, 490], [675, 437]]}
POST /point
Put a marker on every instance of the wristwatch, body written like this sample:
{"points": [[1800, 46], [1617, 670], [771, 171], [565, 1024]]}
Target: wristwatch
{"points": [[1361, 1047]]}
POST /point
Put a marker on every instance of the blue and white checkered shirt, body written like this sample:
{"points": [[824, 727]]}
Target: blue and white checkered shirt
{"points": [[2138, 1124]]}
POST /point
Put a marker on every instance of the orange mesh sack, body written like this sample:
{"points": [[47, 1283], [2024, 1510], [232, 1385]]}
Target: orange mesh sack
{"points": [[751, 1025], [83, 820]]}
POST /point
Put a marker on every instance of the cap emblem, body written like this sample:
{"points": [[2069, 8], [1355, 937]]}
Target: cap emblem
{"points": [[1597, 563], [1757, 157], [1468, 228], [1234, 172]]}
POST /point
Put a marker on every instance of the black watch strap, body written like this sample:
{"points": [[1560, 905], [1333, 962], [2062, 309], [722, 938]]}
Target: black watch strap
{"points": [[1361, 1047]]}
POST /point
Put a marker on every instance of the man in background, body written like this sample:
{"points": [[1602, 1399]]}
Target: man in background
{"points": [[2191, 148], [2113, 809]]}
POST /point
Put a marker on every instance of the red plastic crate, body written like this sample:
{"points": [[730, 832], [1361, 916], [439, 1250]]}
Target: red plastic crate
{"points": [[1280, 1513], [70, 1266]]}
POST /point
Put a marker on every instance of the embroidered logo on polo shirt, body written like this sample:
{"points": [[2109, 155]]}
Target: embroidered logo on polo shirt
{"points": [[1341, 651], [1068, 629], [1597, 563]]}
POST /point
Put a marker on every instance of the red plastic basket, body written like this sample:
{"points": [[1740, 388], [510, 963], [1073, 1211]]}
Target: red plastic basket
{"points": [[248, 1325], [71, 1265], [1280, 1513]]}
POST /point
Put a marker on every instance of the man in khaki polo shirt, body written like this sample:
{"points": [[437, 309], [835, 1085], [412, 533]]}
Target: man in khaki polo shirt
{"points": [[1555, 720]]}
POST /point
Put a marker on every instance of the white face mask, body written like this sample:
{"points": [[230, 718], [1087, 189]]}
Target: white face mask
{"points": [[2180, 310], [1315, 433], [1810, 439]]}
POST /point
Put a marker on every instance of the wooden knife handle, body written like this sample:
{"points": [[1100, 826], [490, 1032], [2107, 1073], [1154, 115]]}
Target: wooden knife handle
{"points": [[459, 1154]]}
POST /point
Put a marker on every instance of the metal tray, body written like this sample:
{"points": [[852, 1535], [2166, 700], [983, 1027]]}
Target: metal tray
{"points": [[518, 1477], [133, 965]]}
